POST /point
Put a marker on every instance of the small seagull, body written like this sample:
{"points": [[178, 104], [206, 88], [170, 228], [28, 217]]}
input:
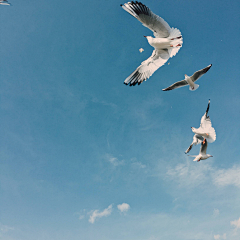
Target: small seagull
{"points": [[166, 43], [5, 2], [205, 131], [202, 154], [189, 80], [141, 50]]}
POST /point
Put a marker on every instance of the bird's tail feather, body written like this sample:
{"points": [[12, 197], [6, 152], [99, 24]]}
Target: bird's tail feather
{"points": [[195, 87], [178, 40]]}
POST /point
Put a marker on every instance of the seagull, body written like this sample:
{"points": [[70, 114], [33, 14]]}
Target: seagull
{"points": [[141, 50], [4, 2], [189, 80], [204, 132], [166, 43], [202, 154]]}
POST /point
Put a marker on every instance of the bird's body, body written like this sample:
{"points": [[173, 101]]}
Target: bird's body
{"points": [[166, 43], [204, 132], [189, 80], [202, 153]]}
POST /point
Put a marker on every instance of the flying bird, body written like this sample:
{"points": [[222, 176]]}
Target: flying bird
{"points": [[166, 43], [189, 80], [141, 50], [204, 132], [202, 153], [4, 2]]}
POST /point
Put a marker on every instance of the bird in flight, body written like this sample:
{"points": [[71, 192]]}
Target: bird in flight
{"points": [[189, 80], [204, 132], [202, 153], [166, 43]]}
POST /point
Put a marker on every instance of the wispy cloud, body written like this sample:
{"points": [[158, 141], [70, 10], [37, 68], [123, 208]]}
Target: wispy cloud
{"points": [[193, 175], [5, 228], [216, 212], [188, 175], [218, 237], [124, 207], [227, 177], [113, 160], [235, 223], [96, 214]]}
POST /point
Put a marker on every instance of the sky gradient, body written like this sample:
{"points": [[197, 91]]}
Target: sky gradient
{"points": [[82, 156]]}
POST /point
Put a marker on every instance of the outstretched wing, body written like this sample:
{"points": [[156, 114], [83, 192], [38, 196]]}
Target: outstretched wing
{"points": [[148, 67], [176, 85], [206, 126], [150, 20], [199, 73], [205, 122]]}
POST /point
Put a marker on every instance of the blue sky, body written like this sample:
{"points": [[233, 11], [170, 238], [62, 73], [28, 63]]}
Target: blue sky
{"points": [[82, 156]]}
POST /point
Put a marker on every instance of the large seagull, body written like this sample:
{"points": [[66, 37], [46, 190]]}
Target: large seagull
{"points": [[166, 43]]}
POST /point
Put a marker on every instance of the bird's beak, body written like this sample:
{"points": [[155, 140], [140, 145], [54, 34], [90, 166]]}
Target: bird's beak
{"points": [[211, 156], [145, 36]]}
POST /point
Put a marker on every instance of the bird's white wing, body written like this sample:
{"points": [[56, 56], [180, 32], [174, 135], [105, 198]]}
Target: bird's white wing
{"points": [[206, 127], [148, 67], [150, 20], [176, 85], [199, 73]]}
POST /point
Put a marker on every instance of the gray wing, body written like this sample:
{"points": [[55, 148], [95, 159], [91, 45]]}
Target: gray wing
{"points": [[203, 148], [199, 73], [148, 67], [150, 20], [176, 85]]}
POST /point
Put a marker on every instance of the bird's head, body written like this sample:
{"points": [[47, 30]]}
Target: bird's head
{"points": [[149, 38], [193, 129]]}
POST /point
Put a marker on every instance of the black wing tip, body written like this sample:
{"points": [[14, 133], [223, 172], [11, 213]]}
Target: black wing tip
{"points": [[166, 89]]}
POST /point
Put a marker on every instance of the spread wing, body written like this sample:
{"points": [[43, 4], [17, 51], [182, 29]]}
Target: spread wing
{"points": [[199, 73], [150, 20], [148, 67], [176, 85], [206, 126]]}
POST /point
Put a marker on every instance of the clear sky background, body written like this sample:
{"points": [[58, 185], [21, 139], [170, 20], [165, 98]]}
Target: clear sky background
{"points": [[76, 143]]}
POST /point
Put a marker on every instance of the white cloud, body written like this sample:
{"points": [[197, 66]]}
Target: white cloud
{"points": [[114, 161], [218, 237], [227, 177], [96, 214], [236, 223], [189, 175], [124, 207]]}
